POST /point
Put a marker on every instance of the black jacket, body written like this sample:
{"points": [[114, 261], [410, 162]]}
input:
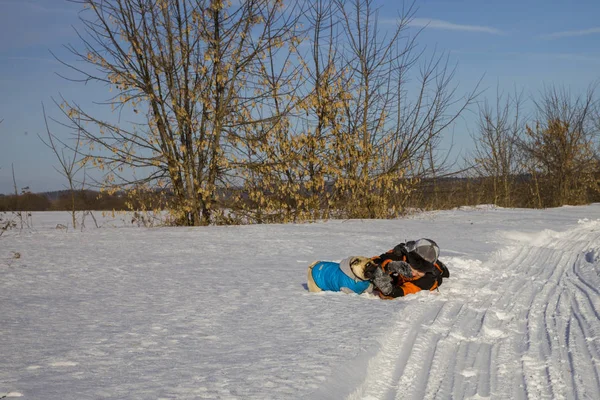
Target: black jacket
{"points": [[431, 280]]}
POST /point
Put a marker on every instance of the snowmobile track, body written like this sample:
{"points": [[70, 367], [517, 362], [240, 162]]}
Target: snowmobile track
{"points": [[535, 334]]}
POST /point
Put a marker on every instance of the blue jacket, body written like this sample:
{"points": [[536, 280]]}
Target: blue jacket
{"points": [[329, 276]]}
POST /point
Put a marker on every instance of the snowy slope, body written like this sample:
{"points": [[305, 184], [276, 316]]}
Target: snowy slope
{"points": [[222, 313]]}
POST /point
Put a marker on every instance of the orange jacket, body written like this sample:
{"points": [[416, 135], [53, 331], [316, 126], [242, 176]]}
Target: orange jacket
{"points": [[428, 277]]}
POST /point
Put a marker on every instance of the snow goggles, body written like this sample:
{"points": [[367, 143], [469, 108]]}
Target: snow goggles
{"points": [[426, 248]]}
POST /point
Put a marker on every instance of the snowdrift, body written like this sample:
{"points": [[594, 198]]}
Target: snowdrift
{"points": [[222, 312]]}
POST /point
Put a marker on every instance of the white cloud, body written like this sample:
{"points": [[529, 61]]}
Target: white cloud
{"points": [[563, 34], [449, 26]]}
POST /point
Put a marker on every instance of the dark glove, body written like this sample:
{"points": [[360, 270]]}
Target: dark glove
{"points": [[370, 270], [401, 268], [400, 250], [382, 281]]}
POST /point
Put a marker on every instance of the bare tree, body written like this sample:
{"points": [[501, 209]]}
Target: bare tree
{"points": [[358, 137], [496, 152], [24, 218], [396, 127], [71, 163], [191, 67], [4, 224]]}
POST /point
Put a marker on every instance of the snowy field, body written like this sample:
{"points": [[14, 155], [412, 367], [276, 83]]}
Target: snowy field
{"points": [[222, 312]]}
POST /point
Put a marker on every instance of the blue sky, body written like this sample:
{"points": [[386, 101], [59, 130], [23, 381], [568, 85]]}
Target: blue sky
{"points": [[524, 44]]}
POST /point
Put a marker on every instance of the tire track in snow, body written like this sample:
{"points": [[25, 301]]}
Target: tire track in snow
{"points": [[585, 348], [535, 332], [388, 365], [549, 367]]}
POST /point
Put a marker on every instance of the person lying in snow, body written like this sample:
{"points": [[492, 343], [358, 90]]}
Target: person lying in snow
{"points": [[408, 268]]}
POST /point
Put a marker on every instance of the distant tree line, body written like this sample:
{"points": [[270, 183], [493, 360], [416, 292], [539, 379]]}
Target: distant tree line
{"points": [[547, 157], [62, 201]]}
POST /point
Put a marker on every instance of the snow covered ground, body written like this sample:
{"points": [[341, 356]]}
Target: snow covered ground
{"points": [[223, 313]]}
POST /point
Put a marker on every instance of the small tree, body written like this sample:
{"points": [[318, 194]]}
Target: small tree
{"points": [[21, 217], [71, 163], [496, 154], [4, 225], [560, 148]]}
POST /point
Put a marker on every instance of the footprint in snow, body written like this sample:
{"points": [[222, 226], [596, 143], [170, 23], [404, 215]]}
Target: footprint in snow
{"points": [[63, 364]]}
